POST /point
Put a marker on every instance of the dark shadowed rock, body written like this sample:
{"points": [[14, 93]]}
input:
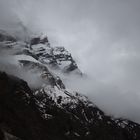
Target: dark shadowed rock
{"points": [[18, 113], [6, 37]]}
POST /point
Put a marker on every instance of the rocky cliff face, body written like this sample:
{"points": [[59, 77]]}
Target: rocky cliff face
{"points": [[51, 111]]}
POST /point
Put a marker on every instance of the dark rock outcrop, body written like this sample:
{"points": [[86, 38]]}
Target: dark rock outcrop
{"points": [[6, 37], [18, 113]]}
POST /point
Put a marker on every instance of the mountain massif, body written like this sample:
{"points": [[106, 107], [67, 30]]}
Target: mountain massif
{"points": [[50, 111]]}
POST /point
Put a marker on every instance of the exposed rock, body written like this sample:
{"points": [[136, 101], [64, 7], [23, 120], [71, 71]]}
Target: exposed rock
{"points": [[6, 37]]}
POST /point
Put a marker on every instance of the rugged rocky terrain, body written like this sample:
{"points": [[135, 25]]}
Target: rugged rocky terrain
{"points": [[51, 111]]}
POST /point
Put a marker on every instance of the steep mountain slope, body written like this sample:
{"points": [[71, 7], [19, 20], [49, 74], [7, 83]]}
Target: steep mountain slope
{"points": [[51, 111]]}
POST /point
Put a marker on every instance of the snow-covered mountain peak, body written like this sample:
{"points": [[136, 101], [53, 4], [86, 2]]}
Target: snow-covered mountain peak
{"points": [[51, 111]]}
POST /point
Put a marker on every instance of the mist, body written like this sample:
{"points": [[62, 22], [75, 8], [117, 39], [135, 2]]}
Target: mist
{"points": [[10, 65], [104, 39]]}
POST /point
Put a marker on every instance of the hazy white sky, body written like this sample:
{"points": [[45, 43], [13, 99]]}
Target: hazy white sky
{"points": [[104, 38]]}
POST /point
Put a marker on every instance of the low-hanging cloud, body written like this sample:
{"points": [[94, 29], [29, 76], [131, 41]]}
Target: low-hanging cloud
{"points": [[103, 37], [10, 65]]}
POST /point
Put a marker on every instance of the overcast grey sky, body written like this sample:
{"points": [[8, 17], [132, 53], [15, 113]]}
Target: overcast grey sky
{"points": [[104, 38]]}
